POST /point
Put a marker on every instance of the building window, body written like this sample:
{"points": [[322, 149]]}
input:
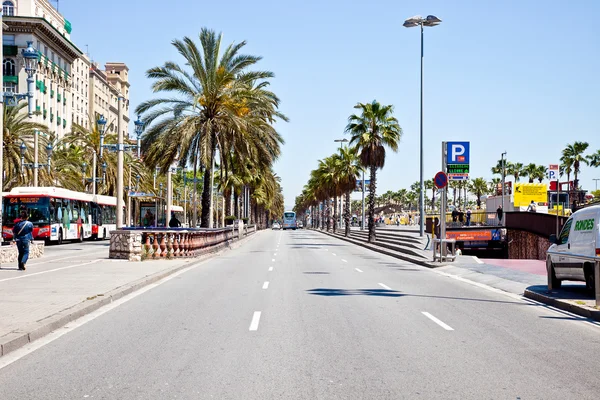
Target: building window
{"points": [[10, 87], [8, 8], [8, 40], [9, 67]]}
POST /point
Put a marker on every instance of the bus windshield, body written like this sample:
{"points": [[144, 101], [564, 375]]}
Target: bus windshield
{"points": [[37, 210]]}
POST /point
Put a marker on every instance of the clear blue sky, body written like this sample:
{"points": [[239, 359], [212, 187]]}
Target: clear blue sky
{"points": [[515, 75]]}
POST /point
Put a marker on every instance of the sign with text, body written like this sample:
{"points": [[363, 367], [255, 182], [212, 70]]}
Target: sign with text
{"points": [[553, 172], [469, 235], [525, 193], [457, 160]]}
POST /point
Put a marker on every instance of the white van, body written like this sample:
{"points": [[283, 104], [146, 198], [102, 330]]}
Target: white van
{"points": [[579, 236]]}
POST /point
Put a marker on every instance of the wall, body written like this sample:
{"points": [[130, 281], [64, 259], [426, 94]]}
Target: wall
{"points": [[524, 245]]}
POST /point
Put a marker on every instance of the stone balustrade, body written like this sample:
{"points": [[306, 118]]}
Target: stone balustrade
{"points": [[10, 253], [138, 244]]}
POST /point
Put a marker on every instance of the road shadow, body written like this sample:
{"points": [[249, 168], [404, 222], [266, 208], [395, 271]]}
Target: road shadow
{"points": [[566, 292], [333, 292], [327, 292], [316, 273], [316, 244]]}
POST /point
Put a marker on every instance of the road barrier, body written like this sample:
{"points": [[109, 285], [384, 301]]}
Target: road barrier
{"points": [[139, 244]]}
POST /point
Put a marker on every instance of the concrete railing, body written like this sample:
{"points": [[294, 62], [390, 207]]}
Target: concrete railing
{"points": [[10, 253], [138, 244]]}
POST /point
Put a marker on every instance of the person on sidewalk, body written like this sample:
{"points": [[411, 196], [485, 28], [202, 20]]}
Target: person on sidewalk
{"points": [[499, 214], [22, 234], [174, 222], [469, 216], [532, 207]]}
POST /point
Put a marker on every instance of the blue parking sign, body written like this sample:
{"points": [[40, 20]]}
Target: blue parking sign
{"points": [[458, 153]]}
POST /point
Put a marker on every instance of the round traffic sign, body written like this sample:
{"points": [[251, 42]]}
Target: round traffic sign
{"points": [[440, 180]]}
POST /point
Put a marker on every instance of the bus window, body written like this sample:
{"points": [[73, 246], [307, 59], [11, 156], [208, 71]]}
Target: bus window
{"points": [[75, 212]]}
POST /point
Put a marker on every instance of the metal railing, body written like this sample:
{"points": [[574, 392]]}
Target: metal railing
{"points": [[594, 259]]}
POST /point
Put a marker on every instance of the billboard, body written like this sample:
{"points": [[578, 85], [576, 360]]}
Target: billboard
{"points": [[526, 192]]}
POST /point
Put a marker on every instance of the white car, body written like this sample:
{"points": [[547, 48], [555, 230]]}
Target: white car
{"points": [[276, 225], [579, 236], [300, 225]]}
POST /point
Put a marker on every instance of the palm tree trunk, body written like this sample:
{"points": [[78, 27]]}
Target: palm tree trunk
{"points": [[335, 201], [195, 196], [372, 187], [236, 204], [207, 189], [347, 215]]}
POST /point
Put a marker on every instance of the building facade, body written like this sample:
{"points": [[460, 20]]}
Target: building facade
{"points": [[69, 88]]}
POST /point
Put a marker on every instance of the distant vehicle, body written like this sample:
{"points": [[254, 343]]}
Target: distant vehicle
{"points": [[289, 220], [300, 225], [276, 225], [580, 236]]}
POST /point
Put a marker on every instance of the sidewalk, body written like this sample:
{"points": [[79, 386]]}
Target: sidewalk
{"points": [[54, 291]]}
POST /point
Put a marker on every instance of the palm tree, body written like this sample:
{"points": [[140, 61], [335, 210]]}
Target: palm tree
{"points": [[540, 173], [515, 169], [479, 187], [430, 185], [573, 155], [18, 129], [372, 131], [348, 170], [594, 159], [529, 171], [218, 104]]}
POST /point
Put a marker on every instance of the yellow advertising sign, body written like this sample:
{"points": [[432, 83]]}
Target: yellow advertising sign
{"points": [[526, 192]]}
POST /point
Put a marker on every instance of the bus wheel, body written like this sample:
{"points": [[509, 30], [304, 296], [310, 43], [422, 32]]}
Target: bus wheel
{"points": [[80, 235], [60, 236]]}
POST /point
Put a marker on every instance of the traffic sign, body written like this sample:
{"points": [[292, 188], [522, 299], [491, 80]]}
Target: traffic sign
{"points": [[458, 177], [440, 180], [553, 172], [458, 153]]}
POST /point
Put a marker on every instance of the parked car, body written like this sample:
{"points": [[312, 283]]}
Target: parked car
{"points": [[276, 225], [300, 225], [579, 236]]}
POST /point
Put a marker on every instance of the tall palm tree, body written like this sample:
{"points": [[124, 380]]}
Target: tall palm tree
{"points": [[574, 155], [348, 170], [430, 185], [540, 173], [218, 102], [18, 129], [372, 131]]}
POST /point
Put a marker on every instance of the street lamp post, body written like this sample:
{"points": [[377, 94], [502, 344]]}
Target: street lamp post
{"points": [[93, 179], [504, 179], [35, 165], [430, 20], [139, 129]]}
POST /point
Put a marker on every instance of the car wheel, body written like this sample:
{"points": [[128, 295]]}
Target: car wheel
{"points": [[590, 280], [556, 283], [60, 236]]}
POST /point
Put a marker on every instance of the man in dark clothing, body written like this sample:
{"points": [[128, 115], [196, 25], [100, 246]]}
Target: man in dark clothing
{"points": [[23, 237], [174, 222], [455, 215], [500, 214]]}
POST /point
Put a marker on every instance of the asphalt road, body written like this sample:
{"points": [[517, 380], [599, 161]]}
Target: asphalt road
{"points": [[333, 322]]}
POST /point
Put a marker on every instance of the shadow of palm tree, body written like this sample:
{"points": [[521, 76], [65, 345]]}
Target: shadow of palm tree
{"points": [[354, 292]]}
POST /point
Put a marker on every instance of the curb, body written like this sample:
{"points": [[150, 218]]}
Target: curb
{"points": [[378, 249], [22, 337], [563, 305]]}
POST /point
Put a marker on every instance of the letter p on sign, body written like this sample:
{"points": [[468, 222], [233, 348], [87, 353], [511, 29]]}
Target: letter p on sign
{"points": [[458, 153]]}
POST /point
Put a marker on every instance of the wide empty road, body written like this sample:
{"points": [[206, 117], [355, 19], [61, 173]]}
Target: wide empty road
{"points": [[300, 315]]}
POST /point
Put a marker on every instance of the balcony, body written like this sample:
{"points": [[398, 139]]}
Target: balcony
{"points": [[64, 123], [45, 113], [51, 117], [51, 93], [38, 109], [58, 97], [58, 121], [12, 79]]}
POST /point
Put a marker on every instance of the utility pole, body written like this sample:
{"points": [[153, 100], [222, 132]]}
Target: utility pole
{"points": [[120, 150], [503, 180]]}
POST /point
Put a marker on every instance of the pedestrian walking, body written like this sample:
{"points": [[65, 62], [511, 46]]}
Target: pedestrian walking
{"points": [[468, 216], [22, 235], [499, 214]]}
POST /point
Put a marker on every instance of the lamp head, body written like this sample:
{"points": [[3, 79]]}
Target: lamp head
{"points": [[23, 149], [31, 58], [432, 20], [49, 150], [139, 127], [104, 167], [84, 167]]}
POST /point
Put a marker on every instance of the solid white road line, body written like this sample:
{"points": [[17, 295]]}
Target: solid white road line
{"points": [[255, 321], [50, 270], [270, 269], [437, 321], [357, 269], [266, 285], [477, 260], [385, 286], [344, 260]]}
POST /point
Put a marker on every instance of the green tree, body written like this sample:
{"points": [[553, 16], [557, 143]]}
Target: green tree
{"points": [[529, 171], [348, 170], [374, 129], [218, 103], [479, 187], [515, 169], [573, 154], [594, 159]]}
